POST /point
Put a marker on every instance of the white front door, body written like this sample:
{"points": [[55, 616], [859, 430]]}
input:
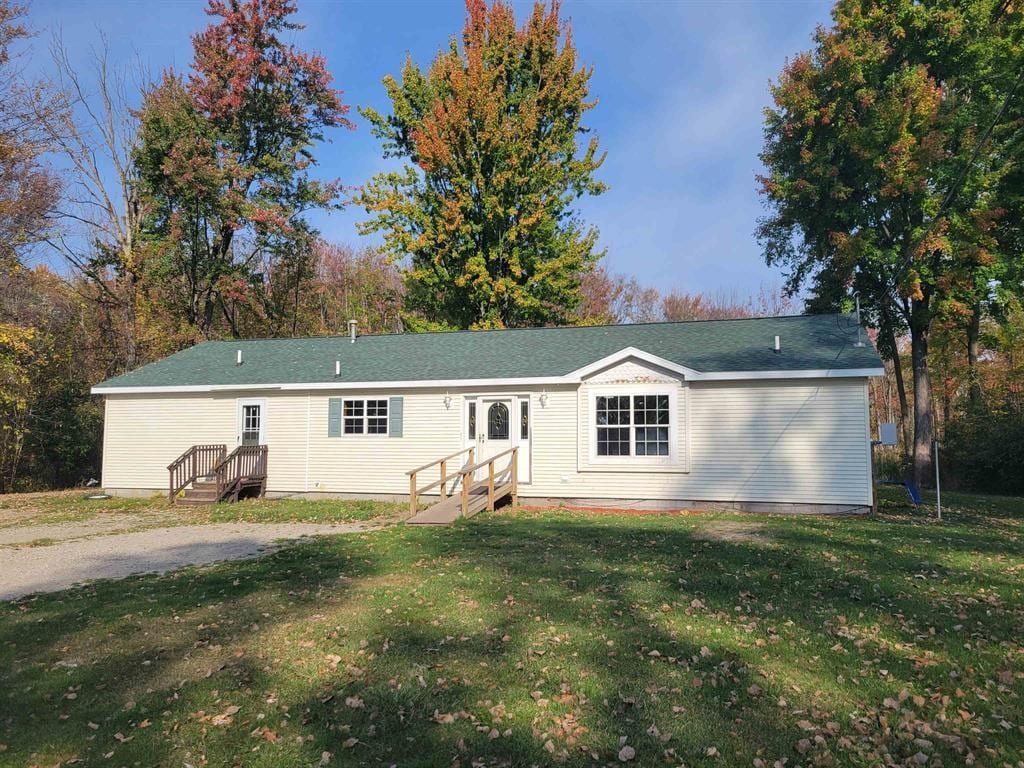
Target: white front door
{"points": [[496, 424]]}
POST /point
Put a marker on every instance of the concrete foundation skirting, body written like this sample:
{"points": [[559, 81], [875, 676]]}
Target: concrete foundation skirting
{"points": [[545, 502], [770, 507], [132, 493]]}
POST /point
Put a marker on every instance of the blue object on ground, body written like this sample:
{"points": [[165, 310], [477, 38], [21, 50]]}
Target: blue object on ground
{"points": [[912, 492], [915, 495]]}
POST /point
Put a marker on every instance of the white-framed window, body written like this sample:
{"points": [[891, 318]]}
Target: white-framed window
{"points": [[633, 426], [365, 417], [250, 421]]}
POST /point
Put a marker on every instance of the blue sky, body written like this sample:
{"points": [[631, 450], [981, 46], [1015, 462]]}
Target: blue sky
{"points": [[681, 87]]}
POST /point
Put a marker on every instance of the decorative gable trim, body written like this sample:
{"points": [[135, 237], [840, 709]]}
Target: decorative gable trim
{"points": [[624, 354]]}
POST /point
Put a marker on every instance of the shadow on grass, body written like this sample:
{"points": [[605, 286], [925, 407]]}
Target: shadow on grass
{"points": [[525, 641]]}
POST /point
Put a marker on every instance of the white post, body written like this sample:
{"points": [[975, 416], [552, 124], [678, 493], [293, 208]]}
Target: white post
{"points": [[938, 490]]}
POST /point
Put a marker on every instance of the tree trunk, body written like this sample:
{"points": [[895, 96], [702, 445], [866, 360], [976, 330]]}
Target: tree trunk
{"points": [[920, 323], [901, 389], [973, 346]]}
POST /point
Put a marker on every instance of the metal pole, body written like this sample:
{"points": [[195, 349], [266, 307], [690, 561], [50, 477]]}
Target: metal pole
{"points": [[856, 298], [938, 490]]}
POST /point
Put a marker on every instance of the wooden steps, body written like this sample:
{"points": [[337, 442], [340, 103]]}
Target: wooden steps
{"points": [[203, 491], [208, 474]]}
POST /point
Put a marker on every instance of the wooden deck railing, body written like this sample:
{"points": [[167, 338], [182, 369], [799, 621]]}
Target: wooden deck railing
{"points": [[512, 486], [197, 461], [414, 492], [246, 464]]}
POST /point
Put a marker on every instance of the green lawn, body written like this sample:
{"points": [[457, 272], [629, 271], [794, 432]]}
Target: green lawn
{"points": [[77, 507], [546, 638]]}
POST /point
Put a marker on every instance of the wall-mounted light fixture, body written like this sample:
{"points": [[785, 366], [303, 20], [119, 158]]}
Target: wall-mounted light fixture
{"points": [[543, 399], [447, 401]]}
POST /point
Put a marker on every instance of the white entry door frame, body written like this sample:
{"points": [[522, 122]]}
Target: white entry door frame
{"points": [[496, 423]]}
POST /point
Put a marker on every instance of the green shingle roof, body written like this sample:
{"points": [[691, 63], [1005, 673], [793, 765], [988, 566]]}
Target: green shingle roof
{"points": [[809, 342]]}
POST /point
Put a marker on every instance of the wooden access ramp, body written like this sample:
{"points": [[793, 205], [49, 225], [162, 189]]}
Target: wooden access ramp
{"points": [[473, 495]]}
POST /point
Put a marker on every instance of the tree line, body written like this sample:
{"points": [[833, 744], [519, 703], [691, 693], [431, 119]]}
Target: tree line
{"points": [[893, 172], [180, 204], [179, 208]]}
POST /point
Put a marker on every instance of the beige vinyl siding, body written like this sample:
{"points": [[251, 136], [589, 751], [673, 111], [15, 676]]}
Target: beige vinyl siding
{"points": [[802, 441], [145, 433], [376, 464], [286, 438], [795, 441], [142, 434]]}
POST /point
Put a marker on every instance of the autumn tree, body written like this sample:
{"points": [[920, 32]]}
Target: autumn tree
{"points": [[225, 158], [98, 221], [723, 305], [49, 428], [351, 285], [484, 207], [882, 150], [608, 298], [28, 187], [47, 425]]}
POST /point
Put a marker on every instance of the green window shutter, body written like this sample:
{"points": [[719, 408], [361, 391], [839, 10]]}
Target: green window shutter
{"points": [[334, 417], [394, 417]]}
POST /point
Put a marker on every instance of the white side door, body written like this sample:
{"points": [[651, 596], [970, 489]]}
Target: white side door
{"points": [[251, 419]]}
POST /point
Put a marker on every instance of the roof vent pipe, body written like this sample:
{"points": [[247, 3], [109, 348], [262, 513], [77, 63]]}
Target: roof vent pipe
{"points": [[337, 367], [778, 344], [352, 330], [238, 358]]}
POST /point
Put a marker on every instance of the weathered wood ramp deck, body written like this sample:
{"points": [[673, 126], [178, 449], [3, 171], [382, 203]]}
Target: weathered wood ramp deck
{"points": [[449, 510], [472, 497]]}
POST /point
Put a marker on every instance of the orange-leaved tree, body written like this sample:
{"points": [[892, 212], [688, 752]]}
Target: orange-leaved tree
{"points": [[225, 161], [497, 157]]}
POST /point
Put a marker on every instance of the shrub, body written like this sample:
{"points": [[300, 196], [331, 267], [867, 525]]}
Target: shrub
{"points": [[984, 452]]}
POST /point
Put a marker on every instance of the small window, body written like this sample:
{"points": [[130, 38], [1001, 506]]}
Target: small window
{"points": [[497, 422], [365, 417], [376, 417], [471, 429], [354, 415], [632, 425], [524, 419], [250, 424]]}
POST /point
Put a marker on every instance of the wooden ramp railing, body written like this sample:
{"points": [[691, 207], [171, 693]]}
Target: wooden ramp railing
{"points": [[414, 492], [197, 461], [475, 495], [244, 467]]}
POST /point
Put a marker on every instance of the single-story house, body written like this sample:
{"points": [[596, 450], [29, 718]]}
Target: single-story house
{"points": [[759, 414]]}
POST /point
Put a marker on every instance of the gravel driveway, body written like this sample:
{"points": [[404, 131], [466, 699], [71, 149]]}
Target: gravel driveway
{"points": [[27, 570]]}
